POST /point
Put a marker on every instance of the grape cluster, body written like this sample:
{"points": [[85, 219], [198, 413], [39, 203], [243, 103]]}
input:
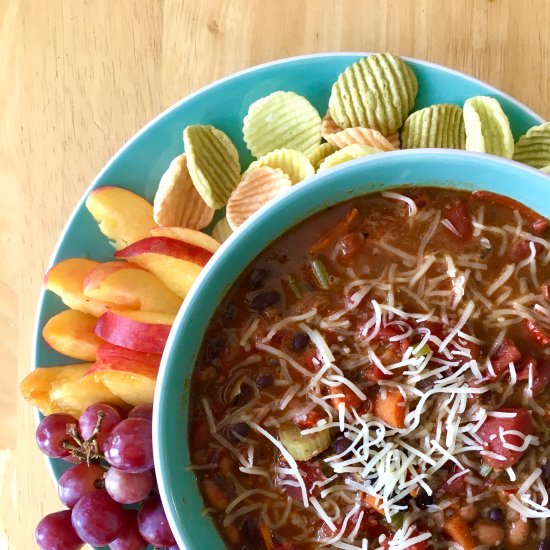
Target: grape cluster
{"points": [[113, 459]]}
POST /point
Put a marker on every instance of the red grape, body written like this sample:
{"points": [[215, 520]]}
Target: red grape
{"points": [[51, 433], [98, 519], [129, 446], [55, 532], [131, 539], [88, 421], [142, 411], [153, 524], [77, 482], [128, 488]]}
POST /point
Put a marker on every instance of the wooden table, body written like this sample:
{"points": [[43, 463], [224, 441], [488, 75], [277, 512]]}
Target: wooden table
{"points": [[79, 77]]}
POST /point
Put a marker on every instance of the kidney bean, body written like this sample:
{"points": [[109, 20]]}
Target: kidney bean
{"points": [[488, 532]]}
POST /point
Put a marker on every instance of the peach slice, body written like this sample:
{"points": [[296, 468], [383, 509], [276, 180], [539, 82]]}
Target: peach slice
{"points": [[176, 263], [66, 279], [197, 238], [128, 286], [72, 333], [65, 389], [136, 330], [123, 216], [127, 373]]}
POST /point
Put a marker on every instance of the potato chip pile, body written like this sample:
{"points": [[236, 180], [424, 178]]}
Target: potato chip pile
{"points": [[369, 112]]}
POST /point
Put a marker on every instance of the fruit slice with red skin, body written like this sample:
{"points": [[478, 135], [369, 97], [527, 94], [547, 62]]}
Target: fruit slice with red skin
{"points": [[129, 374], [497, 427], [128, 286], [191, 236], [66, 279], [71, 333], [139, 330], [123, 216], [176, 263]]}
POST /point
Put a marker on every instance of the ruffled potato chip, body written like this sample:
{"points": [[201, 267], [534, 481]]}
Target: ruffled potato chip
{"points": [[375, 92], [487, 127], [291, 162], [213, 163], [221, 230], [360, 136], [328, 126], [321, 153], [351, 152], [440, 126], [533, 148], [395, 140], [177, 202], [546, 169], [258, 187], [282, 120]]}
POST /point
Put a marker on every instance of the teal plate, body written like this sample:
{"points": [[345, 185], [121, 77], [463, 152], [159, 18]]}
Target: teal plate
{"points": [[140, 163]]}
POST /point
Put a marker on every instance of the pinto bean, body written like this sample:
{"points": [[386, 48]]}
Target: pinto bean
{"points": [[468, 512], [488, 532], [214, 494], [232, 534], [227, 465], [517, 530]]}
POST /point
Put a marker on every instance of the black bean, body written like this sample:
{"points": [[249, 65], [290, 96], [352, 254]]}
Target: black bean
{"points": [[243, 396], [264, 381], [249, 529], [341, 444], [423, 500], [215, 347], [496, 514], [264, 300], [544, 544], [230, 312], [257, 277], [546, 470], [300, 341], [241, 428], [364, 234]]}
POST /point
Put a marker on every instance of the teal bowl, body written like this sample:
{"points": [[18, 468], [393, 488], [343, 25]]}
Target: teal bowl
{"points": [[422, 167], [140, 163]]}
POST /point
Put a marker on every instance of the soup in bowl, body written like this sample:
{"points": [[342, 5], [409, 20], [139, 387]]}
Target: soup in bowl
{"points": [[366, 365]]}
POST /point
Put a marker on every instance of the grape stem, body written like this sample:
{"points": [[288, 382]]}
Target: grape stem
{"points": [[85, 450]]}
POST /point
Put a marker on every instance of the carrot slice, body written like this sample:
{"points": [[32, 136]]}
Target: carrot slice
{"points": [[266, 535], [459, 531], [373, 502], [390, 408], [334, 232]]}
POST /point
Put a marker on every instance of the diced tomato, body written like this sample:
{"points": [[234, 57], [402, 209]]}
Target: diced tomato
{"points": [[490, 432], [456, 486], [371, 373], [370, 525], [536, 333], [310, 360], [540, 374], [458, 215], [521, 249], [311, 472], [422, 545], [350, 246], [307, 419], [420, 198], [342, 227], [330, 337], [505, 354], [351, 399], [383, 338], [282, 338]]}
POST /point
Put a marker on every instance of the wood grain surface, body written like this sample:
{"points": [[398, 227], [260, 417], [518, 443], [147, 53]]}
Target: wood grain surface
{"points": [[80, 77]]}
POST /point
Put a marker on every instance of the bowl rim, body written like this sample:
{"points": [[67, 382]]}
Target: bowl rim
{"points": [[36, 333], [252, 224]]}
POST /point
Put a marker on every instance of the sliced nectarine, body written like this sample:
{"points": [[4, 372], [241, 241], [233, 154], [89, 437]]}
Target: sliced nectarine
{"points": [[72, 333], [66, 279], [123, 216], [137, 330], [191, 236], [127, 286], [129, 374], [176, 263], [65, 389]]}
